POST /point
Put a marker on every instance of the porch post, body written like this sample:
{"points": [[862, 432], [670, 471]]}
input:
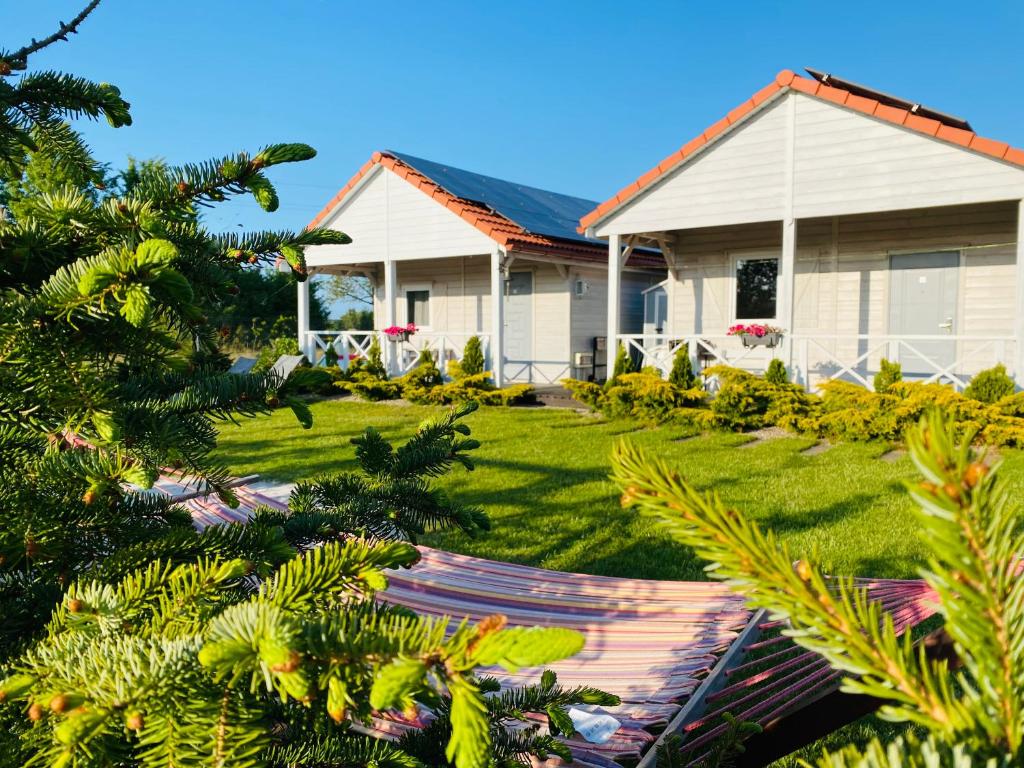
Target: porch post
{"points": [[787, 286], [614, 306], [497, 345], [302, 319], [390, 313], [1018, 320]]}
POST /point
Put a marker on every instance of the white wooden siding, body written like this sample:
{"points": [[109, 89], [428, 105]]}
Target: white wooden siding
{"points": [[844, 162], [387, 217], [738, 179], [847, 162], [460, 303]]}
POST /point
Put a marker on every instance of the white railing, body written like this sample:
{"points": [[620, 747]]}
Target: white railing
{"points": [[445, 347], [348, 345], [815, 358], [401, 355]]}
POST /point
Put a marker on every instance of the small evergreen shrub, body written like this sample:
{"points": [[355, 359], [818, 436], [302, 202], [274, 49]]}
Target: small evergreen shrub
{"points": [[623, 364], [644, 396], [472, 357], [990, 385], [374, 360], [282, 345], [682, 375], [889, 373], [477, 388], [776, 373], [330, 356]]}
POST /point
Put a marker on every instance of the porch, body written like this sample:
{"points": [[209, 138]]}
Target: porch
{"points": [[936, 289], [444, 347], [822, 357]]}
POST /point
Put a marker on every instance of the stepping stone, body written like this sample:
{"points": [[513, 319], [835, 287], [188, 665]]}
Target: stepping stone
{"points": [[764, 435], [818, 448], [893, 456], [686, 438]]}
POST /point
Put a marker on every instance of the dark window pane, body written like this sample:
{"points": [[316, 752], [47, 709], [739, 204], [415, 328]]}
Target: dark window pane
{"points": [[418, 307], [756, 284]]}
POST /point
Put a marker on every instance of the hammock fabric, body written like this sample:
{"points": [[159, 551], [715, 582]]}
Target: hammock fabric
{"points": [[678, 654]]}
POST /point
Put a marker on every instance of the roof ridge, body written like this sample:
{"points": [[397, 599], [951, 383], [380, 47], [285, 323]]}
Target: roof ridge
{"points": [[495, 225], [786, 80]]}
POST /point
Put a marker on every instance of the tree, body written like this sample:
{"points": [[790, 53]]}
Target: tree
{"points": [[349, 289], [681, 374], [472, 357], [355, 320], [971, 716], [128, 637]]}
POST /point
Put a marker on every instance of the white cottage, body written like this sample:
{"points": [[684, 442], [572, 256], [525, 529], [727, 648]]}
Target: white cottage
{"points": [[459, 254], [864, 225]]}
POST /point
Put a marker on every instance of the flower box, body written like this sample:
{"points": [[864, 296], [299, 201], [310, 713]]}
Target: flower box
{"points": [[757, 335], [768, 340], [400, 332]]}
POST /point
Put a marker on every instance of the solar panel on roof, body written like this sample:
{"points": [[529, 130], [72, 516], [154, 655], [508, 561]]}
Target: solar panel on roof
{"points": [[537, 210], [857, 89]]}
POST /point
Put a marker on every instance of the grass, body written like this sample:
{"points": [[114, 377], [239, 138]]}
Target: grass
{"points": [[542, 477]]}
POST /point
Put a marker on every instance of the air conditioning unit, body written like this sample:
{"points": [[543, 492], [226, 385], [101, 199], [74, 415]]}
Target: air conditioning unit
{"points": [[584, 360], [581, 288]]}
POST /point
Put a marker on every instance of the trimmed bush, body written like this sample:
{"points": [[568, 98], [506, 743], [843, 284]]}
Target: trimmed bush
{"points": [[644, 396], [682, 375], [282, 345], [776, 373], [375, 361], [477, 388], [472, 357], [990, 385], [888, 374], [623, 365]]}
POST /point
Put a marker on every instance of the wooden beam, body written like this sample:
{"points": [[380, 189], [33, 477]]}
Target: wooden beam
{"points": [[1018, 323], [827, 714], [715, 680], [614, 291], [499, 266]]}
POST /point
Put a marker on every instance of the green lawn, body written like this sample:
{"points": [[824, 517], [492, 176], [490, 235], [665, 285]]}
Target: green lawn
{"points": [[542, 477]]}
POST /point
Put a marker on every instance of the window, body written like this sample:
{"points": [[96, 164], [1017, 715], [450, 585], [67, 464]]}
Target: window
{"points": [[417, 308], [756, 288]]}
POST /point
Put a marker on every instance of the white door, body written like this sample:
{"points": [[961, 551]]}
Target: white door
{"points": [[922, 302], [519, 317]]}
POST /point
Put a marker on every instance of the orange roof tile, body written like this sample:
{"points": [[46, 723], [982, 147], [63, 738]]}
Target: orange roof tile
{"points": [[787, 79], [499, 228]]}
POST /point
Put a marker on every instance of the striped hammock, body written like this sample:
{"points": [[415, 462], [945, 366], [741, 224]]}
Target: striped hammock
{"points": [[679, 655]]}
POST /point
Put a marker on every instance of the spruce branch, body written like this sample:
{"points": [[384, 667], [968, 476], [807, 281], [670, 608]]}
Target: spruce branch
{"points": [[19, 58]]}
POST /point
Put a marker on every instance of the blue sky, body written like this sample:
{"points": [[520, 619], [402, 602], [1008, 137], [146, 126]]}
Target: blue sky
{"points": [[578, 97]]}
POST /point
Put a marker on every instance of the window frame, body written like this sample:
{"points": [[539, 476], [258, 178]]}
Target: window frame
{"points": [[735, 257], [416, 288]]}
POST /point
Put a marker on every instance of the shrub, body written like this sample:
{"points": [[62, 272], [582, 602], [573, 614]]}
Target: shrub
{"points": [[472, 357], [888, 374], [374, 360], [314, 381], [477, 388], [282, 345], [990, 385], [682, 375], [623, 364], [776, 373], [330, 356], [371, 388], [644, 396]]}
